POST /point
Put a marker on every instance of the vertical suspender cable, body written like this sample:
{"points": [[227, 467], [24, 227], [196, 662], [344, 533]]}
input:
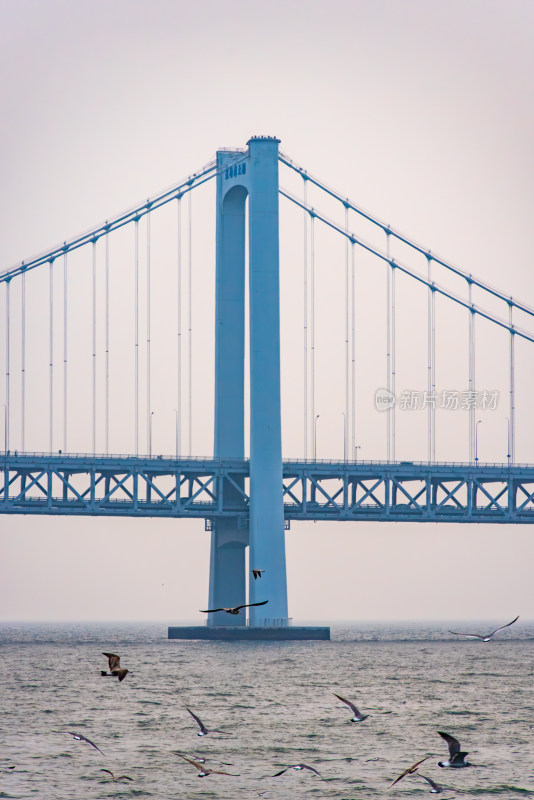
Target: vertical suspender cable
{"points": [[347, 384], [471, 374], [148, 399], [353, 364], [190, 332], [305, 312], [65, 330], [179, 333], [429, 363], [431, 385], [136, 332], [512, 387], [312, 332], [94, 346], [393, 367], [6, 423], [23, 367], [388, 347], [106, 421], [433, 375], [51, 353]]}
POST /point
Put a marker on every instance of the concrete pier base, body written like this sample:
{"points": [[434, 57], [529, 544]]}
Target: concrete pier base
{"points": [[244, 633]]}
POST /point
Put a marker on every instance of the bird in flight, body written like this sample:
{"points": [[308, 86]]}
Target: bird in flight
{"points": [[409, 771], [435, 788], [80, 738], [358, 717], [119, 777], [202, 760], [204, 771], [487, 636], [298, 766], [456, 756], [235, 610], [203, 730], [115, 670], [257, 573]]}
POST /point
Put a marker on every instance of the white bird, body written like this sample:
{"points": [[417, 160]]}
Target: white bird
{"points": [[80, 738], [235, 610], [118, 778], [358, 716], [204, 771], [203, 730], [202, 760], [435, 788], [409, 771], [297, 767], [456, 756], [487, 636], [115, 671]]}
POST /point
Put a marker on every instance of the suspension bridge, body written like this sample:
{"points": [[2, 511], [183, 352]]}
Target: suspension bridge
{"points": [[246, 492]]}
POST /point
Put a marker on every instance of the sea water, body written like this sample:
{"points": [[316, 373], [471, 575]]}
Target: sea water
{"points": [[275, 701]]}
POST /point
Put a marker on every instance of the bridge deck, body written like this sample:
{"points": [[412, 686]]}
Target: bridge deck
{"points": [[94, 485]]}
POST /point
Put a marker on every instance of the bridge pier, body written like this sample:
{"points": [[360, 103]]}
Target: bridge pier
{"points": [[227, 571]]}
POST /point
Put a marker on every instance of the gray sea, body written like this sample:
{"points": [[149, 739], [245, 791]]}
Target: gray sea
{"points": [[275, 701]]}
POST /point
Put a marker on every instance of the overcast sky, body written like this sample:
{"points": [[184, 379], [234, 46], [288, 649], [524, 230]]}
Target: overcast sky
{"points": [[421, 112]]}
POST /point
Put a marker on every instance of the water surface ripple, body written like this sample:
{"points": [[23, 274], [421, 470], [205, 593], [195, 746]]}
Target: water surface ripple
{"points": [[276, 700]]}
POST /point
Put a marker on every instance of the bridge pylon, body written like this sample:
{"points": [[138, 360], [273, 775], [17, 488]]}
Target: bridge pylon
{"points": [[252, 175]]}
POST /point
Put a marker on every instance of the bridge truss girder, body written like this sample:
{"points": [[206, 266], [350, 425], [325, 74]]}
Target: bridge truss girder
{"points": [[213, 488]]}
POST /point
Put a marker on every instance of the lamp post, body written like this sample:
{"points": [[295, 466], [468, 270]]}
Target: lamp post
{"points": [[150, 433], [476, 441], [176, 428], [356, 448], [315, 437]]}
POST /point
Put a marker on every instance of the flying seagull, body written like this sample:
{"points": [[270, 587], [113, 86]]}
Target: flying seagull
{"points": [[257, 573], [203, 771], [119, 777], [409, 771], [234, 610], [80, 738], [435, 788], [298, 766], [485, 637], [202, 760], [456, 756], [115, 670], [203, 730], [358, 717]]}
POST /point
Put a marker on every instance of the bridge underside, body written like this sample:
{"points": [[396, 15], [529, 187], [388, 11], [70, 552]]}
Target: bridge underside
{"points": [[200, 488]]}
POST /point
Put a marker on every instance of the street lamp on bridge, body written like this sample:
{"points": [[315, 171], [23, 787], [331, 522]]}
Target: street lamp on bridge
{"points": [[476, 441], [176, 431], [315, 437], [150, 433]]}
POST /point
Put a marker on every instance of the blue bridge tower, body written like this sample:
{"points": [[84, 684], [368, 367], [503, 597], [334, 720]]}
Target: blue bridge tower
{"points": [[252, 175]]}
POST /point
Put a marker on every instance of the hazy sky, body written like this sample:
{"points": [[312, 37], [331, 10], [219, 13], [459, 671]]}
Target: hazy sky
{"points": [[421, 112]]}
